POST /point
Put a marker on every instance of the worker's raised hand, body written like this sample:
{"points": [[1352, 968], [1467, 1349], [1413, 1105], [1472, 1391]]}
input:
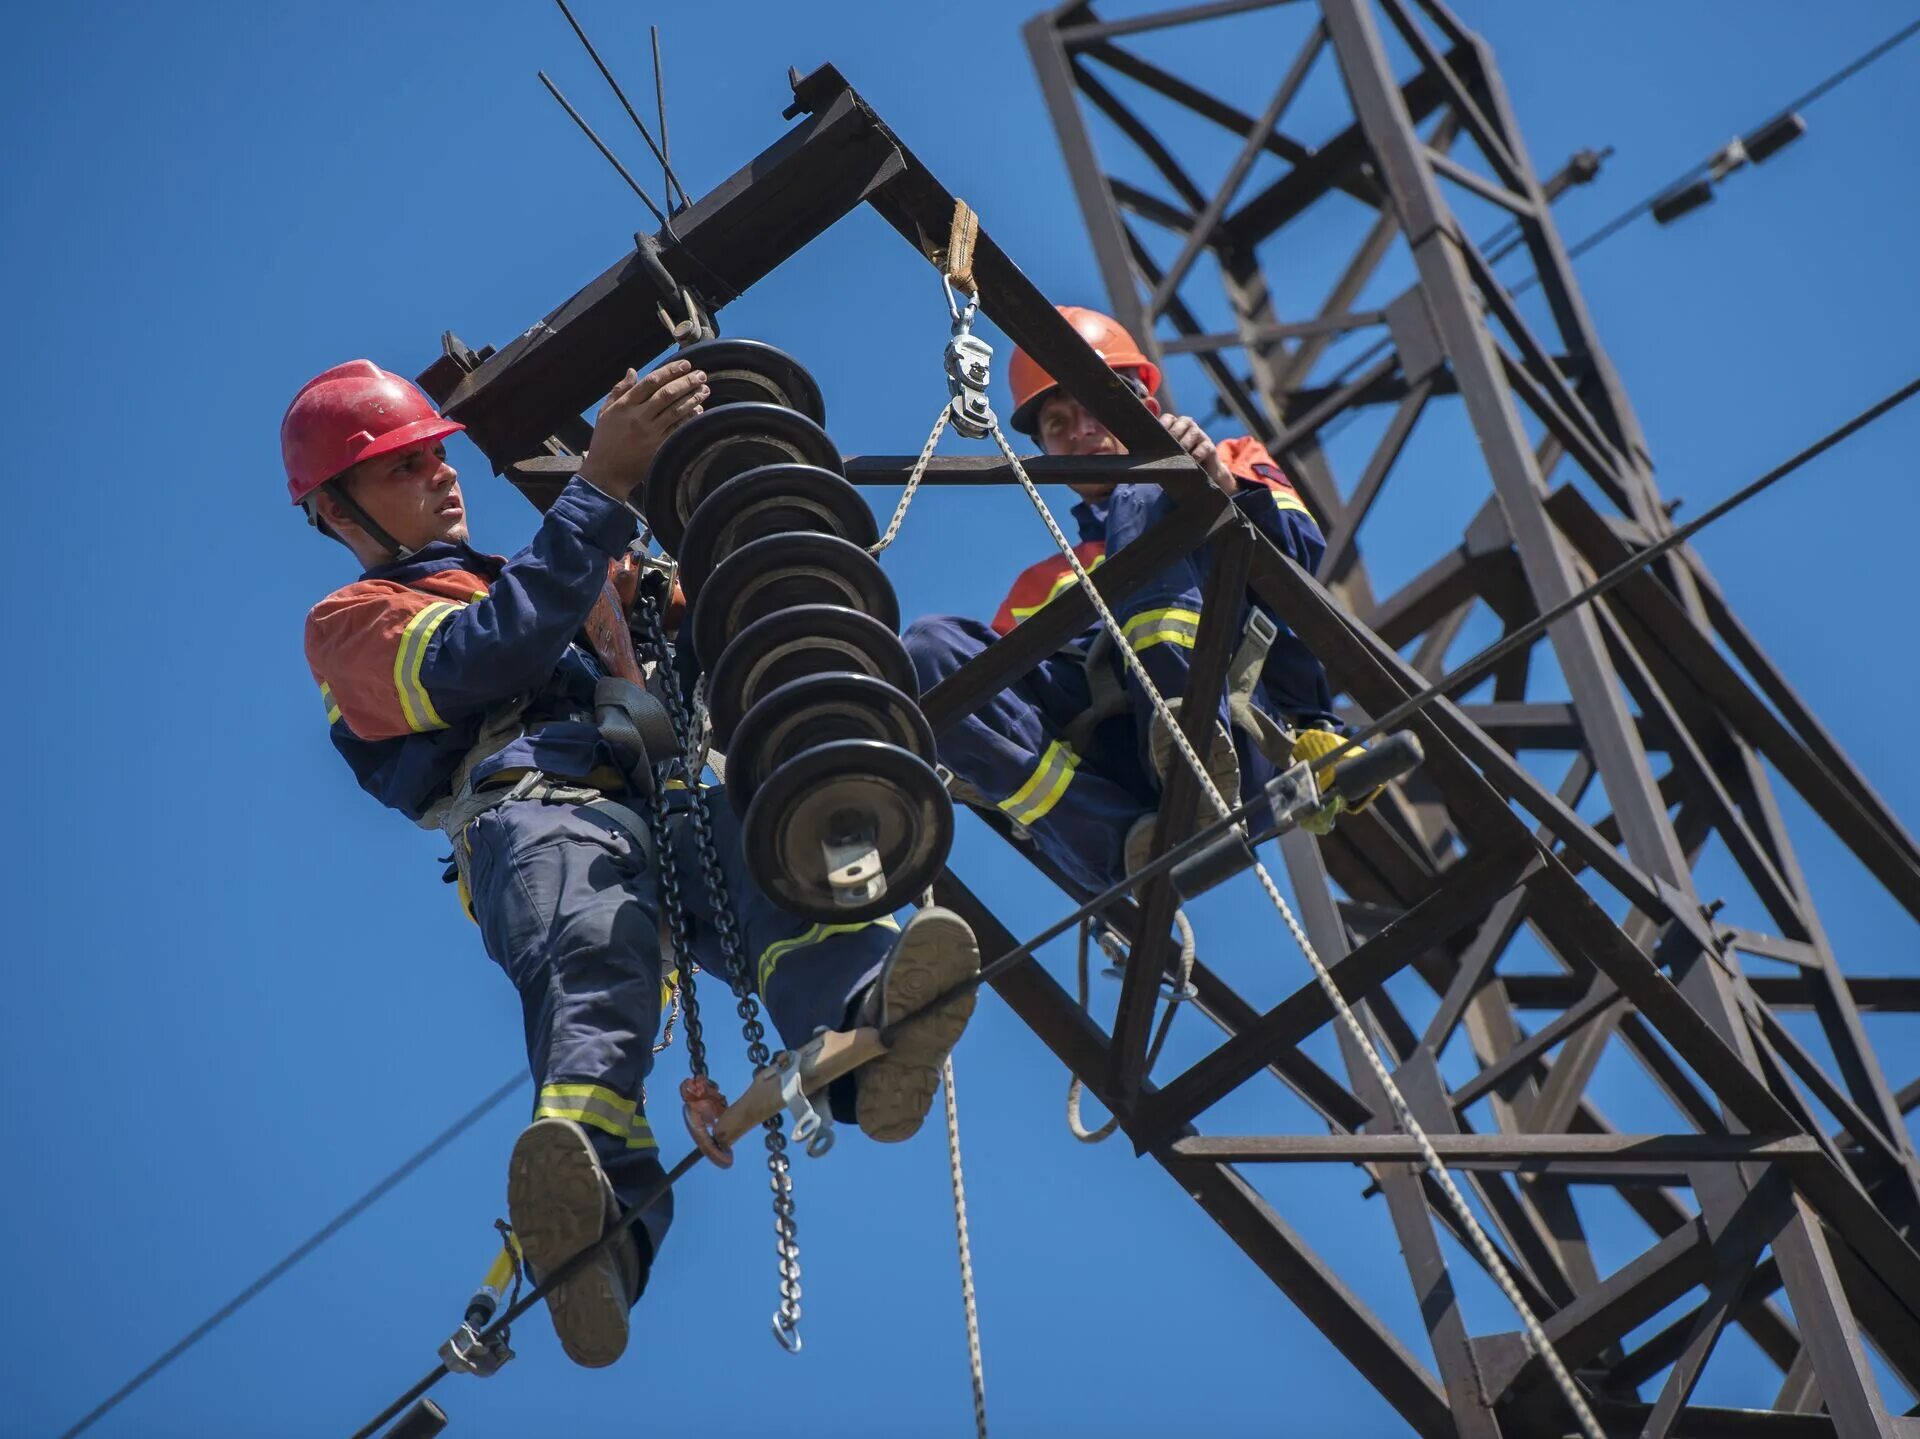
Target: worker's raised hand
{"points": [[635, 420], [1196, 443]]}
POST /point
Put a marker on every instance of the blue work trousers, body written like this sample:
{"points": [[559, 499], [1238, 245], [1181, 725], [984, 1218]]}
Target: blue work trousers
{"points": [[1077, 808], [569, 905]]}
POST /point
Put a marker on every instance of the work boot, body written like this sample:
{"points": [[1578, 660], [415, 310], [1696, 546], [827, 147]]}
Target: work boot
{"points": [[1223, 768], [893, 1093], [561, 1202]]}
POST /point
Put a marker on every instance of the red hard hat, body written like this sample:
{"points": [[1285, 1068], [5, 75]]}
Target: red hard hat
{"points": [[348, 414], [1103, 332]]}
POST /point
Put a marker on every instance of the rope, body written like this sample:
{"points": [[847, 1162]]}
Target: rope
{"points": [[913, 482], [1075, 1085], [966, 1255], [1536, 1336]]}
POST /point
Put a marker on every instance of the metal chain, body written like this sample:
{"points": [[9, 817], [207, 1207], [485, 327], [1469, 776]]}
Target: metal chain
{"points": [[913, 482], [671, 898], [688, 731], [1483, 1247]]}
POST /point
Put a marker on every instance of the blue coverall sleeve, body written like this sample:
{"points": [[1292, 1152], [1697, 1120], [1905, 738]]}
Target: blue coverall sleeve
{"points": [[508, 641]]}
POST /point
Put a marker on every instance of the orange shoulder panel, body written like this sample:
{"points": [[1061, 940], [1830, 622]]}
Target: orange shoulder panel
{"points": [[1040, 582], [354, 638]]}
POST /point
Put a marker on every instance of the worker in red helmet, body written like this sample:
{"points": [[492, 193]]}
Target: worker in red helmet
{"points": [[485, 697], [1072, 754]]}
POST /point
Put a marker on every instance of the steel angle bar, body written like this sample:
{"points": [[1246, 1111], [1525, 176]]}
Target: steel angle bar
{"points": [[1180, 801], [1209, 219], [1839, 805], [1302, 1275], [1175, 474], [750, 223], [1598, 1153], [1069, 613], [1083, 32], [1469, 888]]}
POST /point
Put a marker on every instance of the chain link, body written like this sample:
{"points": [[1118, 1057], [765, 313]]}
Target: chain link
{"points": [[689, 729]]}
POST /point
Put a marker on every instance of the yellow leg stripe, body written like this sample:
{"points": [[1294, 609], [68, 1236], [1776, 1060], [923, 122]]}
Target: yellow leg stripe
{"points": [[1035, 799], [1168, 626], [781, 948], [407, 662], [635, 1129], [1186, 639]]}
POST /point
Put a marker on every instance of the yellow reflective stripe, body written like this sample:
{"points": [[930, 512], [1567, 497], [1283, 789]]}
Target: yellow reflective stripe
{"points": [[598, 1106], [327, 699], [1291, 502], [414, 703], [780, 948], [1035, 799], [1066, 581], [1168, 626]]}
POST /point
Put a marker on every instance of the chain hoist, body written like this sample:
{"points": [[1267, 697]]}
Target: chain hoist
{"points": [[702, 1099]]}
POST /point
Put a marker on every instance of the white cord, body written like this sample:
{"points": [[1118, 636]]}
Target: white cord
{"points": [[966, 1255], [1536, 1335], [913, 482]]}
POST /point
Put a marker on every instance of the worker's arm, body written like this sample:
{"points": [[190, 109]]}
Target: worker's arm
{"points": [[398, 660], [1267, 497]]}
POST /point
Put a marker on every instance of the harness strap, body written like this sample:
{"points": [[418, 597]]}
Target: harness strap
{"points": [[1108, 698], [1270, 737]]}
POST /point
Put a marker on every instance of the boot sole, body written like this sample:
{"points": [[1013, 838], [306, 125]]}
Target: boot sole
{"points": [[557, 1198], [894, 1092]]}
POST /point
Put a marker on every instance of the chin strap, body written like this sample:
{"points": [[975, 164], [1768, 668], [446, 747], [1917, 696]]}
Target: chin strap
{"points": [[347, 502]]}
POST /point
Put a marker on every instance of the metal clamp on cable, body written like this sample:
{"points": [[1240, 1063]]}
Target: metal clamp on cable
{"points": [[810, 1126], [468, 1351]]}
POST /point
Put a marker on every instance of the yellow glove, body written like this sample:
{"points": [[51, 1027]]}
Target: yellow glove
{"points": [[1312, 745]]}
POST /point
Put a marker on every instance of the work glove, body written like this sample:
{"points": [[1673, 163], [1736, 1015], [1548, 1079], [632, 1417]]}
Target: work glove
{"points": [[1311, 745]]}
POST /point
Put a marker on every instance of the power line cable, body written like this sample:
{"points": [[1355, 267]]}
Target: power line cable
{"points": [[332, 1227], [1510, 236]]}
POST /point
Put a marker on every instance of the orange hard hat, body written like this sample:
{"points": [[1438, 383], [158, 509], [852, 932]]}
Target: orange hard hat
{"points": [[1114, 345]]}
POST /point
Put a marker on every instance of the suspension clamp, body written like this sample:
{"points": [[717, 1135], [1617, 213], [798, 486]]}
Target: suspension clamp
{"points": [[468, 1351]]}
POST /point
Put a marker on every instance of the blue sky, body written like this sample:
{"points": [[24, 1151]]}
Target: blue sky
{"points": [[239, 994]]}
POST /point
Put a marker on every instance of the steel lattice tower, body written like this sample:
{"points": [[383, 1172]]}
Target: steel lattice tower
{"points": [[1479, 889], [1674, 710]]}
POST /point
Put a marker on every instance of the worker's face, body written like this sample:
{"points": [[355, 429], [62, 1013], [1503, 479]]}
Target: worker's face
{"points": [[1068, 428], [413, 494]]}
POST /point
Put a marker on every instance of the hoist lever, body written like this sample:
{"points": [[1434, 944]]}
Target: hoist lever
{"points": [[823, 1059]]}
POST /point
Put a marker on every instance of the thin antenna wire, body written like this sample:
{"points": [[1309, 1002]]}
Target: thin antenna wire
{"points": [[601, 146], [638, 123], [667, 177]]}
